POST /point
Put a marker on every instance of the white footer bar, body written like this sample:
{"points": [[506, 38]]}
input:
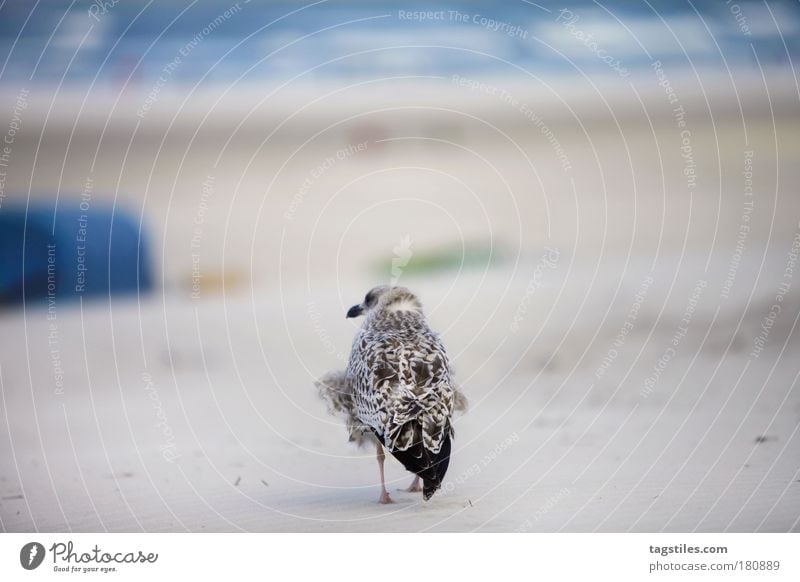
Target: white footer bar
{"points": [[388, 557]]}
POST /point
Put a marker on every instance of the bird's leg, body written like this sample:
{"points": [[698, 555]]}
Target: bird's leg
{"points": [[384, 498], [415, 487]]}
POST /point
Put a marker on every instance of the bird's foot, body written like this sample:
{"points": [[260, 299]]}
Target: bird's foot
{"points": [[385, 499], [415, 486]]}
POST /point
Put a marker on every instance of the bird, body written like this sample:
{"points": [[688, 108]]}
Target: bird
{"points": [[397, 391]]}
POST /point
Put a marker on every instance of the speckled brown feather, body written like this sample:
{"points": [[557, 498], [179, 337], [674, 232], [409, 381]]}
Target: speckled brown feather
{"points": [[401, 376]]}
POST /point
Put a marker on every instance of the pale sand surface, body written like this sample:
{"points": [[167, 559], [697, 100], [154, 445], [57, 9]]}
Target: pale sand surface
{"points": [[547, 445]]}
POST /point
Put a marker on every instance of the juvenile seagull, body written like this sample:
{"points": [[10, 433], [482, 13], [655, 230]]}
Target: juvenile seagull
{"points": [[397, 390]]}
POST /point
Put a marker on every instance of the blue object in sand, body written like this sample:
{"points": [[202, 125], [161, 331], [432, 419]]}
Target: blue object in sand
{"points": [[72, 250]]}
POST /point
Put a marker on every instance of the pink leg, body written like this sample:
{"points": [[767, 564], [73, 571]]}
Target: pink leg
{"points": [[384, 498], [415, 486]]}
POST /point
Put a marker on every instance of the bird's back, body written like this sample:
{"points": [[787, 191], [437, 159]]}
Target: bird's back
{"points": [[401, 378]]}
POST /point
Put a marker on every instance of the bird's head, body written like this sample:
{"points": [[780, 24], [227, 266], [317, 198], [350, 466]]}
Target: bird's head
{"points": [[388, 298]]}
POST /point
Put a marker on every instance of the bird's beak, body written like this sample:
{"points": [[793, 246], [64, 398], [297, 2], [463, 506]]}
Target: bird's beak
{"points": [[355, 311]]}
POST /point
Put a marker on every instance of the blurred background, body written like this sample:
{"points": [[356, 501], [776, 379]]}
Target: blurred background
{"points": [[596, 202]]}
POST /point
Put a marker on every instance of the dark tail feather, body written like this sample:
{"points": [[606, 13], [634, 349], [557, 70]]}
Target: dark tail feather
{"points": [[431, 467]]}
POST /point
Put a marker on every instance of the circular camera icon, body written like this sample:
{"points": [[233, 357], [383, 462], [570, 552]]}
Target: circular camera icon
{"points": [[31, 555]]}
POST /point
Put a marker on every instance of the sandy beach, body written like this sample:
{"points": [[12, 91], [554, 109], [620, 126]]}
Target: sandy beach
{"points": [[615, 330]]}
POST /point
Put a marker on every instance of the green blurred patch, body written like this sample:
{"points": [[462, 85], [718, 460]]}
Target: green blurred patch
{"points": [[407, 260]]}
